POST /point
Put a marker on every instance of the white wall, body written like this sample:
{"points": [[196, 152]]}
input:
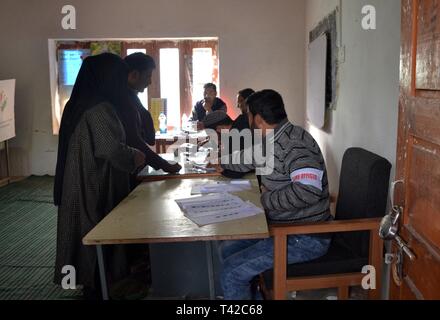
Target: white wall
{"points": [[368, 85], [261, 46]]}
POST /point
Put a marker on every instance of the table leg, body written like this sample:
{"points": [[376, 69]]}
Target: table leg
{"points": [[102, 275], [210, 270]]}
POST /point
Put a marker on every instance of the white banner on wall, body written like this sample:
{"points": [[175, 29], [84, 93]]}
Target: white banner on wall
{"points": [[316, 81], [7, 117]]}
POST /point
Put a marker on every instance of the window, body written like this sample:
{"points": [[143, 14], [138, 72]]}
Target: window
{"points": [[170, 84], [69, 63], [203, 68], [183, 66]]}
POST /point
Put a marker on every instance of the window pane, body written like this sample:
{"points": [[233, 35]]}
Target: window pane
{"points": [[170, 84], [69, 63], [203, 68], [143, 96]]}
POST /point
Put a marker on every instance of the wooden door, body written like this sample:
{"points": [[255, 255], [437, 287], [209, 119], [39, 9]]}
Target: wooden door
{"points": [[418, 153]]}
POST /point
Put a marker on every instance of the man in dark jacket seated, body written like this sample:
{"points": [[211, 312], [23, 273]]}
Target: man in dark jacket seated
{"points": [[210, 103]]}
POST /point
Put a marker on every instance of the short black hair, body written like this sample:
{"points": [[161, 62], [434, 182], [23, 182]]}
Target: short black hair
{"points": [[210, 85], [139, 62], [246, 93], [269, 105]]}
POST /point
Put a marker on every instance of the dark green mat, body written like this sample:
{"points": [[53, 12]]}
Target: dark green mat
{"points": [[27, 241]]}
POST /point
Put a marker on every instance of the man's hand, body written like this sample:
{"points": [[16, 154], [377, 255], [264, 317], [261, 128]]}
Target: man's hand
{"points": [[263, 189], [208, 105], [173, 168]]}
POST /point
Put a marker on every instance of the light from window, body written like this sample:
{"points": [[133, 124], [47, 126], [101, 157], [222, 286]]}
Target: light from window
{"points": [[131, 51], [143, 96], [203, 68], [170, 84], [70, 62]]}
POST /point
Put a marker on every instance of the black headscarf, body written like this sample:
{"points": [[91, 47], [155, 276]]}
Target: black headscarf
{"points": [[102, 78]]}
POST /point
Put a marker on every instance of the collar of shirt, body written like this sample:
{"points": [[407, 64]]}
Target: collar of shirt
{"points": [[282, 126]]}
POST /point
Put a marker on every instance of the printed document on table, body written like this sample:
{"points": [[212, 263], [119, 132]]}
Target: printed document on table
{"points": [[217, 208], [222, 187]]}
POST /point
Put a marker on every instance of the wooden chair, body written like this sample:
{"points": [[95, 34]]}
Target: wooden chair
{"points": [[361, 203]]}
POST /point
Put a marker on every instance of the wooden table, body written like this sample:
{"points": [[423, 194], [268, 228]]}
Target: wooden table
{"points": [[150, 215]]}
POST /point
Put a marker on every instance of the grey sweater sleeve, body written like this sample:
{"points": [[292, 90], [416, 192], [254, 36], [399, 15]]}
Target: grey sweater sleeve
{"points": [[296, 195]]}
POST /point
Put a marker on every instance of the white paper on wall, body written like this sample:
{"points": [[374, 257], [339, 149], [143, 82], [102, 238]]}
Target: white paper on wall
{"points": [[316, 80], [7, 117]]}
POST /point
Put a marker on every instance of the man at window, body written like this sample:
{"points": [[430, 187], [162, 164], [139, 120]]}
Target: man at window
{"points": [[140, 69], [210, 103]]}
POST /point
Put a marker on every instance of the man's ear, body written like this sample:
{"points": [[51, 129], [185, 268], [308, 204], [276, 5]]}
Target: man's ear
{"points": [[133, 75], [259, 122]]}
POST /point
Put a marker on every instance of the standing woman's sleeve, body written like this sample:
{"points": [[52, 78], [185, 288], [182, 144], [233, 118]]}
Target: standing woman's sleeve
{"points": [[108, 135]]}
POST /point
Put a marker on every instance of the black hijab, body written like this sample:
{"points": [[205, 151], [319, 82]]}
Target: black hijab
{"points": [[102, 78]]}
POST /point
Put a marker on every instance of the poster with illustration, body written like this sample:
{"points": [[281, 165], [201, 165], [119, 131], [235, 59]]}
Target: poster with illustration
{"points": [[105, 46], [7, 119]]}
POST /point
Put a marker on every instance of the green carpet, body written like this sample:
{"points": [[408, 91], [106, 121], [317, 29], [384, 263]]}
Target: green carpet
{"points": [[27, 242]]}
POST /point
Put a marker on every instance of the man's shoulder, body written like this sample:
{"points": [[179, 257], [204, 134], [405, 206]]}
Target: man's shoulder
{"points": [[241, 122], [295, 137], [297, 133], [219, 102]]}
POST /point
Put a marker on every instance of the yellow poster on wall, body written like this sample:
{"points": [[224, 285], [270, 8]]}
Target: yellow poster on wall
{"points": [[105, 46], [157, 106]]}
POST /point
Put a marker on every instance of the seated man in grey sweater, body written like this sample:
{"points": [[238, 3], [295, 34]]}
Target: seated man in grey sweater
{"points": [[294, 190]]}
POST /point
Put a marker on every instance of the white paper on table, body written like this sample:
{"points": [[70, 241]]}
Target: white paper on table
{"points": [[232, 186], [210, 204], [222, 216], [241, 182], [217, 208]]}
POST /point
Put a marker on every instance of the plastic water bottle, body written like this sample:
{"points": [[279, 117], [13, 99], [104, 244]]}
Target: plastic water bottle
{"points": [[184, 122], [162, 123]]}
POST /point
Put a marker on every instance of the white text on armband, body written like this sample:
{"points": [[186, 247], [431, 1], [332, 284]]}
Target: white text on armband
{"points": [[308, 177]]}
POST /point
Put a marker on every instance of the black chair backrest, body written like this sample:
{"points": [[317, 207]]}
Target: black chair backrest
{"points": [[363, 193]]}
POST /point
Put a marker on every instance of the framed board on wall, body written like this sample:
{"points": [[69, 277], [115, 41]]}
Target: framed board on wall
{"points": [[7, 125], [316, 81], [7, 120]]}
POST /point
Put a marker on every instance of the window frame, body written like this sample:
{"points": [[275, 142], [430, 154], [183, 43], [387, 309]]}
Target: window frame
{"points": [[152, 47]]}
